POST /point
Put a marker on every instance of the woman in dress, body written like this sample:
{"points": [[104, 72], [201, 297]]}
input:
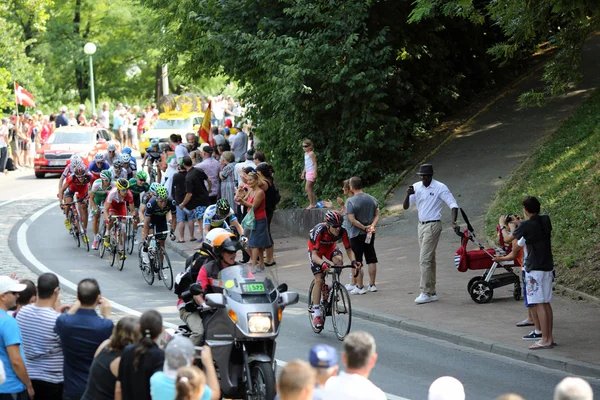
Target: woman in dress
{"points": [[265, 171], [227, 177], [309, 173]]}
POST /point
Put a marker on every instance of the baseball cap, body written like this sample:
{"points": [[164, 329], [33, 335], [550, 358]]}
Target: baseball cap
{"points": [[7, 284], [323, 356], [178, 353]]}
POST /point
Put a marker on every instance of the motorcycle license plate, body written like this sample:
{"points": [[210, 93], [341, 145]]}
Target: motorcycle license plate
{"points": [[57, 163], [253, 288]]}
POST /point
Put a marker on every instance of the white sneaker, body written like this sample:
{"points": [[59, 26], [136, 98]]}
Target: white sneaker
{"points": [[373, 288], [350, 287], [423, 298], [434, 297], [358, 290]]}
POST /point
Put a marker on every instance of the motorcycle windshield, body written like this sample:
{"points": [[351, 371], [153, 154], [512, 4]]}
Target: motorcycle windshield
{"points": [[240, 280]]}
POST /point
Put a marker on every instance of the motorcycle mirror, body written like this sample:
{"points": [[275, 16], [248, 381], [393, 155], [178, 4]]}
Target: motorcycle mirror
{"points": [[215, 300], [282, 288], [196, 289], [288, 298]]}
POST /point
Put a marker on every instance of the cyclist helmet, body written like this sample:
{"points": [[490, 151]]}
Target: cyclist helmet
{"points": [[112, 147], [219, 240], [154, 187], [99, 157], [105, 175], [79, 171], [161, 192], [126, 158], [126, 150], [76, 160], [334, 218], [154, 143], [141, 175], [223, 208], [122, 184], [118, 163]]}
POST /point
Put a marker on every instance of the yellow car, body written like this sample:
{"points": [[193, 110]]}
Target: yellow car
{"points": [[169, 123]]}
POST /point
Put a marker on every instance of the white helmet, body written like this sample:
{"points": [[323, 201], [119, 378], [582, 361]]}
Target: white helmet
{"points": [[76, 160]]}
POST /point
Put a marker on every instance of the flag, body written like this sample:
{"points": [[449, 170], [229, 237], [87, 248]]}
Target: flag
{"points": [[205, 127], [23, 97]]}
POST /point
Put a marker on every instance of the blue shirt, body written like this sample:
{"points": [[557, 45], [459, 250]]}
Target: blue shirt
{"points": [[117, 122], [61, 120], [10, 335], [162, 387], [94, 167], [80, 335]]}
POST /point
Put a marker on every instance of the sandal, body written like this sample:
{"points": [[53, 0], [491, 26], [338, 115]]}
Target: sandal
{"points": [[538, 346], [525, 323], [192, 239], [181, 241], [270, 264]]}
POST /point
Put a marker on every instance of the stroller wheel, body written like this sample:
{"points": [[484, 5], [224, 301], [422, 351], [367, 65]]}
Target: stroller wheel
{"points": [[481, 291], [471, 282], [517, 291]]}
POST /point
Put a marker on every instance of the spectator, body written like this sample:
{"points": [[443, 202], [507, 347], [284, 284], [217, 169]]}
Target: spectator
{"points": [[297, 381], [81, 120], [536, 230], [192, 141], [211, 168], [218, 136], [239, 146], [190, 383], [2, 373], [72, 119], [248, 162], [27, 296], [61, 119], [259, 157], [265, 172], [43, 352], [227, 176], [104, 371], [117, 127], [309, 173], [573, 388], [180, 353], [183, 218], [360, 357], [3, 145], [104, 116], [323, 358], [47, 129], [81, 331], [17, 385], [446, 388], [196, 195], [177, 146], [140, 361], [428, 196]]}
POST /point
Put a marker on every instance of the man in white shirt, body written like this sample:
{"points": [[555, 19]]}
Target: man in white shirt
{"points": [[428, 195], [360, 357], [104, 116]]}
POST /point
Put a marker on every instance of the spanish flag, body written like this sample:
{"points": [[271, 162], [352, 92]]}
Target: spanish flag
{"points": [[205, 127]]}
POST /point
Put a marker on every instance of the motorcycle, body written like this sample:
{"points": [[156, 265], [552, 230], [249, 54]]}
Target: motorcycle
{"points": [[241, 327]]}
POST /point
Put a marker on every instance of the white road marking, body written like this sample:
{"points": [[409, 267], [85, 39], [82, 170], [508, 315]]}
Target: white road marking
{"points": [[26, 251]]}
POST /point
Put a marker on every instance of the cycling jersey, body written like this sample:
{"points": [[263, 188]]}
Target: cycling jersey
{"points": [[110, 159], [211, 218], [100, 192], [153, 210], [75, 186], [69, 170], [116, 176], [116, 204], [136, 189], [322, 241], [152, 154], [95, 169]]}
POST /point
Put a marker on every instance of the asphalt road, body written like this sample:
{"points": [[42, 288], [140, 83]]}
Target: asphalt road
{"points": [[407, 363]]}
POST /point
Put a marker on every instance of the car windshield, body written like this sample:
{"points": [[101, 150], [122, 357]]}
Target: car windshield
{"points": [[173, 124], [240, 279], [72, 138]]}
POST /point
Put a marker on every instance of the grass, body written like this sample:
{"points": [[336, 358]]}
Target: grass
{"points": [[564, 174]]}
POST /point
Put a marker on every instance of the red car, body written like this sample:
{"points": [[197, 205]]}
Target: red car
{"points": [[66, 141]]}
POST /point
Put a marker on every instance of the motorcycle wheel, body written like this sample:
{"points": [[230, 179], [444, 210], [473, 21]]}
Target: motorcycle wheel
{"points": [[263, 381]]}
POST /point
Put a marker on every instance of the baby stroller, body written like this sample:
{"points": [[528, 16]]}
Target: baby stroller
{"points": [[481, 288]]}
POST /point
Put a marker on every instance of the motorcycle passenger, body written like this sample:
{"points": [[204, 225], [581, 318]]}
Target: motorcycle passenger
{"points": [[220, 215], [118, 199], [321, 248], [153, 155], [117, 169], [138, 185], [100, 189], [111, 155], [222, 246], [98, 166], [160, 210], [77, 184]]}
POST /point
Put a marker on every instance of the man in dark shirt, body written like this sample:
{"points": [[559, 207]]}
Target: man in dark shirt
{"points": [[183, 218], [81, 331], [539, 266], [61, 119], [196, 193]]}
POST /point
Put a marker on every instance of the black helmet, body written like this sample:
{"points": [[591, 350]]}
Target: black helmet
{"points": [[334, 218], [223, 208]]}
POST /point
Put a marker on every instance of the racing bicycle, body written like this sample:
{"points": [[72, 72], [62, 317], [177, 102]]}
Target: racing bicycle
{"points": [[118, 240], [335, 302], [159, 261], [101, 231], [131, 229], [152, 173], [74, 218]]}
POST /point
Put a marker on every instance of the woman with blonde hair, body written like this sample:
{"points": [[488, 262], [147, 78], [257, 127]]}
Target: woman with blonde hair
{"points": [[309, 173], [190, 383]]}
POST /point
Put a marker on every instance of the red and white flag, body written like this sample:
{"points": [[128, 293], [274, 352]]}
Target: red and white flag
{"points": [[23, 97]]}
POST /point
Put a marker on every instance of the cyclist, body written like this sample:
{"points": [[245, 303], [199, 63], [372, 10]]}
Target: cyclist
{"points": [[74, 161], [117, 169], [111, 155], [321, 248], [160, 210], [127, 150], [137, 186], [148, 195], [77, 184], [153, 155], [98, 193], [220, 215], [128, 165], [98, 165], [118, 199]]}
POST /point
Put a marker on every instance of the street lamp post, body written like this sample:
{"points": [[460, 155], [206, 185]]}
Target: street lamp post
{"points": [[90, 49]]}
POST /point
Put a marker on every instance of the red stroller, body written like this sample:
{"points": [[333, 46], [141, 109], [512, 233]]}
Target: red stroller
{"points": [[481, 288]]}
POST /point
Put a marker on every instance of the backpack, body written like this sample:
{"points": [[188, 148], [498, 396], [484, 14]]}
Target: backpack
{"points": [[10, 164], [184, 279]]}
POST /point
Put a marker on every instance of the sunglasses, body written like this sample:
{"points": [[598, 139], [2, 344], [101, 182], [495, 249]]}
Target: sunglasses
{"points": [[142, 180], [123, 190], [335, 226]]}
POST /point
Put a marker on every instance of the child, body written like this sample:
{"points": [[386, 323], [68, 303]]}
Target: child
{"points": [[310, 173]]}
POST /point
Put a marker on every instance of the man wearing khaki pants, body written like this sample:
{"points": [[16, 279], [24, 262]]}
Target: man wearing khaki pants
{"points": [[428, 196]]}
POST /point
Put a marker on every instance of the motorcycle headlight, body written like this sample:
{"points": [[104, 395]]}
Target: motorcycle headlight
{"points": [[260, 322]]}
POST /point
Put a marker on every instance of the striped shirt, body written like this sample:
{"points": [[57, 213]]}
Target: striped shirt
{"points": [[43, 352]]}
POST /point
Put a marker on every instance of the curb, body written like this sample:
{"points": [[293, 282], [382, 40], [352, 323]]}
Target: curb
{"points": [[563, 364]]}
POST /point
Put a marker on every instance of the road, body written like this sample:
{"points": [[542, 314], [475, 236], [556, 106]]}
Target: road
{"points": [[407, 363]]}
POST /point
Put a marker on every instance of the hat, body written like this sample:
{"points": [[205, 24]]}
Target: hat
{"points": [[81, 107], [7, 284], [228, 123], [323, 356], [238, 125], [446, 388], [4, 120], [425, 169], [27, 116], [63, 109], [178, 353]]}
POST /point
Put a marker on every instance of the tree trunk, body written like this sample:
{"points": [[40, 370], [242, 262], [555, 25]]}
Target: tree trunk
{"points": [[82, 86], [158, 90]]}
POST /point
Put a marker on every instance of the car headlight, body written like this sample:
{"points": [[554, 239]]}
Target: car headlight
{"points": [[260, 322]]}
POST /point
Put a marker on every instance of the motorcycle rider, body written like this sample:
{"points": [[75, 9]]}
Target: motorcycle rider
{"points": [[222, 247]]}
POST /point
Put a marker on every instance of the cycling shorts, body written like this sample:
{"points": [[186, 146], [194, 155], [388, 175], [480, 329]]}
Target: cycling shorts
{"points": [[136, 200], [328, 253], [99, 199], [151, 160], [119, 209], [159, 224], [80, 191]]}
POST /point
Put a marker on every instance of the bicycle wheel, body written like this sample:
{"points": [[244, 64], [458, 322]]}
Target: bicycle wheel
{"points": [[310, 305], [113, 248], [84, 236], [74, 229], [101, 232], [131, 234], [341, 311], [146, 269], [121, 246], [165, 270]]}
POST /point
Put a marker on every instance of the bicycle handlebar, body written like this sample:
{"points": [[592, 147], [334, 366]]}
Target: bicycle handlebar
{"points": [[122, 216], [340, 267], [75, 201], [151, 235]]}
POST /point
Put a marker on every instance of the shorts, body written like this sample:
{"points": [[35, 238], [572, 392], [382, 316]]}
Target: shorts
{"points": [[81, 194], [539, 286], [22, 145], [360, 248], [136, 200], [311, 176], [117, 134], [524, 288], [159, 224], [198, 213], [129, 133], [99, 200], [328, 254], [119, 209], [184, 215]]}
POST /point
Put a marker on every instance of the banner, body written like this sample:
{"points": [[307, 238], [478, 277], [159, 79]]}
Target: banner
{"points": [[23, 97]]}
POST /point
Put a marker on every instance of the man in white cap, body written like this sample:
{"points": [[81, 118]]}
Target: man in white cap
{"points": [[61, 119], [17, 383], [572, 388], [446, 388]]}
